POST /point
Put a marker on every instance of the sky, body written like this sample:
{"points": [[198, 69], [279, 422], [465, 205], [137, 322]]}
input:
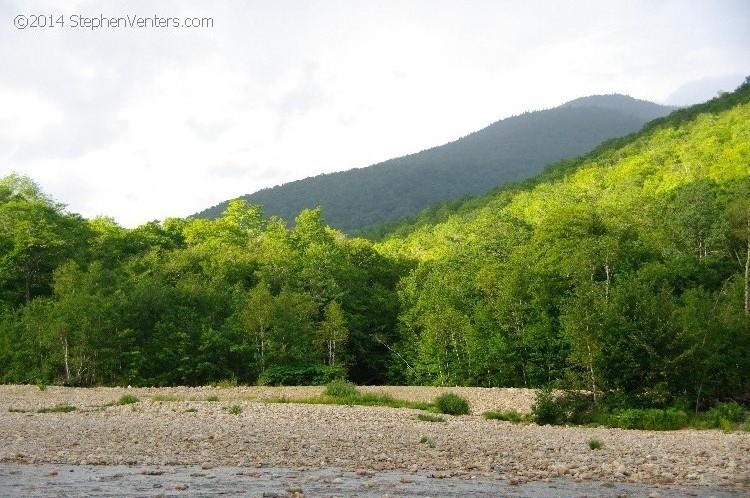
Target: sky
{"points": [[146, 122]]}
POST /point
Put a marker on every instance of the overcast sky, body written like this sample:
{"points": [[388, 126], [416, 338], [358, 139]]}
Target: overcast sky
{"points": [[143, 123]]}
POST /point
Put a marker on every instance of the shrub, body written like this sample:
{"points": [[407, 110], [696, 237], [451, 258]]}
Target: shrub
{"points": [[572, 407], [510, 416], [341, 388], [427, 417], [212, 398], [652, 419], [731, 412], [546, 410], [452, 404], [235, 410], [127, 399], [595, 444]]}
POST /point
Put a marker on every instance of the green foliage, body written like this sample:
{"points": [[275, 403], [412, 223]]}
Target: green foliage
{"points": [[235, 410], [546, 410], [451, 404], [63, 408], [428, 417], [167, 398], [508, 416], [212, 398], [128, 399], [652, 419], [311, 375], [570, 407], [620, 271], [624, 274], [723, 415], [340, 388], [595, 444]]}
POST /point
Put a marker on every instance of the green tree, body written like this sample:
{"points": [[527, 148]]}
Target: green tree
{"points": [[333, 331]]}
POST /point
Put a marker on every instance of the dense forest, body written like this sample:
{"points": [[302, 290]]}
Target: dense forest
{"points": [[624, 271], [508, 150]]}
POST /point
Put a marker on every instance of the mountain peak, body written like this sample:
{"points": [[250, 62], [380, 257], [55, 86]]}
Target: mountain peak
{"points": [[508, 150], [642, 109]]}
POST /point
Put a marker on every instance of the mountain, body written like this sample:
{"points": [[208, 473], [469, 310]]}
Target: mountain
{"points": [[509, 150], [625, 271]]}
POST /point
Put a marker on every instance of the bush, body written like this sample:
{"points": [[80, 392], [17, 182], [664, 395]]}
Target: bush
{"points": [[212, 398], [595, 444], [235, 410], [341, 388], [452, 404], [652, 419], [310, 375], [546, 410], [572, 407], [127, 399], [730, 412]]}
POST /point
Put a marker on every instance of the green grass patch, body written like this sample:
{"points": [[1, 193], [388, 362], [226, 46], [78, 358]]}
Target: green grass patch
{"points": [[278, 399], [428, 417], [128, 399], [235, 410], [168, 398], [595, 444], [340, 392], [61, 408], [212, 398], [451, 404], [509, 416], [191, 410], [341, 389]]}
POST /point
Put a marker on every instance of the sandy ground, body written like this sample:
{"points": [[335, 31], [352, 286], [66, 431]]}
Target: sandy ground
{"points": [[325, 450]]}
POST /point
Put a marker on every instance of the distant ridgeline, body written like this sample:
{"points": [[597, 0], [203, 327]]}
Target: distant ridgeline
{"points": [[509, 150]]}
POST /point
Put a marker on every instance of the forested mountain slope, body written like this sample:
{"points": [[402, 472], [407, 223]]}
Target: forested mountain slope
{"points": [[625, 270], [508, 150]]}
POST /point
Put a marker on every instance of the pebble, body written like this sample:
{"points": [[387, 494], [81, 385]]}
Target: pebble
{"points": [[362, 440]]}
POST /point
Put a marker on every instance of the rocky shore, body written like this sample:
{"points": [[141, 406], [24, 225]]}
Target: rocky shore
{"points": [[235, 429]]}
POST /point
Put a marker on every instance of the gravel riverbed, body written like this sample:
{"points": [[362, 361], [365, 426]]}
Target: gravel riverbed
{"points": [[307, 445]]}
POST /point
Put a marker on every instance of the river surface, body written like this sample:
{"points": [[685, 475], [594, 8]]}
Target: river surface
{"points": [[48, 480]]}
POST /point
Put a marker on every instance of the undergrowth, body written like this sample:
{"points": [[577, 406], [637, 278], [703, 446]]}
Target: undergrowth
{"points": [[577, 408]]}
